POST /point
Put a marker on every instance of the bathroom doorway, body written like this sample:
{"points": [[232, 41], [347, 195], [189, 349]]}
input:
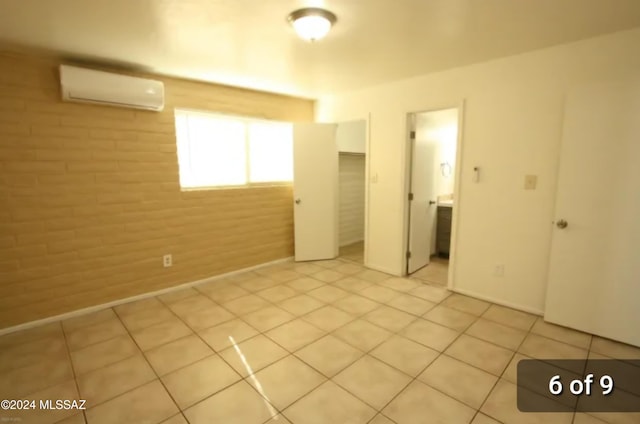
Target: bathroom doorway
{"points": [[433, 148]]}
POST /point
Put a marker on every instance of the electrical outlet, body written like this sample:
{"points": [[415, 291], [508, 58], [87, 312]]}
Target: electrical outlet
{"points": [[167, 261], [530, 182], [498, 271]]}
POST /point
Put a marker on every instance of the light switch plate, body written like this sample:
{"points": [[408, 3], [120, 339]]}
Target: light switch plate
{"points": [[530, 182]]}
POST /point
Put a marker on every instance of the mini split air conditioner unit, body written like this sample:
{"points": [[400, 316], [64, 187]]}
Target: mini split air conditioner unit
{"points": [[98, 87]]}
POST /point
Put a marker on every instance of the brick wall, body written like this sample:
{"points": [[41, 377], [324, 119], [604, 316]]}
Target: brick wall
{"points": [[90, 197]]}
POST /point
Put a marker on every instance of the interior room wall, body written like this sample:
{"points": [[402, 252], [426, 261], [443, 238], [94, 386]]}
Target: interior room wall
{"points": [[90, 197], [513, 112], [351, 136], [351, 184]]}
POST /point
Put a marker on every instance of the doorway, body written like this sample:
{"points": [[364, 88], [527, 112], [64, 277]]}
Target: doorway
{"points": [[351, 141], [432, 170], [594, 268], [329, 186]]}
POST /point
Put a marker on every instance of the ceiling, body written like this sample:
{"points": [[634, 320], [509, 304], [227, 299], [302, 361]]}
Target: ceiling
{"points": [[249, 43]]}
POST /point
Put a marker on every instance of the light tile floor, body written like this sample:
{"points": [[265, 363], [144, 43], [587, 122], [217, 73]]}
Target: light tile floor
{"points": [[437, 272], [323, 342], [353, 252]]}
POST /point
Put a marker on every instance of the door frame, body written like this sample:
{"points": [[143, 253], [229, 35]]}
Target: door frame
{"points": [[408, 164], [367, 181], [367, 164], [592, 315]]}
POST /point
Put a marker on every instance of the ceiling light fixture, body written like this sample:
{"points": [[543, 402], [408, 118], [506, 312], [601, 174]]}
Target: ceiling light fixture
{"points": [[312, 23]]}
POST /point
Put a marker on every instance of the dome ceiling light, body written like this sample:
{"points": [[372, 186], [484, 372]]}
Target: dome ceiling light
{"points": [[312, 23]]}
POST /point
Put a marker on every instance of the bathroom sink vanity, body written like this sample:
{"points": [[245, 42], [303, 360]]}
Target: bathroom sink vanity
{"points": [[443, 228]]}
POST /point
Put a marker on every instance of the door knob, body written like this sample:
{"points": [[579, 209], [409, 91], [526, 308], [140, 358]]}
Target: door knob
{"points": [[562, 224], [432, 202], [298, 201]]}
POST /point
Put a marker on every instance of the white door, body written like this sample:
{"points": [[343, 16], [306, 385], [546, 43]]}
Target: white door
{"points": [[594, 276], [422, 207], [315, 191]]}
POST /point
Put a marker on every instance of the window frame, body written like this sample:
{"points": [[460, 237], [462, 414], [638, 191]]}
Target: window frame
{"points": [[246, 121]]}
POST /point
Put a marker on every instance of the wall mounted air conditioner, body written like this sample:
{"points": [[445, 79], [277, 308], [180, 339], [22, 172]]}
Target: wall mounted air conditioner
{"points": [[105, 88]]}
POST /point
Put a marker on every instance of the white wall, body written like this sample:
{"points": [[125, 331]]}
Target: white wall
{"points": [[352, 136], [351, 185], [512, 127]]}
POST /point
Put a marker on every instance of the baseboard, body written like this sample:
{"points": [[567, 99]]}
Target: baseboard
{"points": [[382, 269], [96, 308], [347, 243], [499, 302]]}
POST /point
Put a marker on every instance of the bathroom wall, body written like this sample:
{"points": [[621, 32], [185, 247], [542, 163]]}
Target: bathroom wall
{"points": [[441, 129]]}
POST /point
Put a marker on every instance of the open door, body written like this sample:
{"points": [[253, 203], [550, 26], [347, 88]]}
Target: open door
{"points": [[433, 143], [315, 191], [594, 274], [422, 207]]}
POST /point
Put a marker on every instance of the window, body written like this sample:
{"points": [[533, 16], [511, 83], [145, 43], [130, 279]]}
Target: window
{"points": [[222, 151]]}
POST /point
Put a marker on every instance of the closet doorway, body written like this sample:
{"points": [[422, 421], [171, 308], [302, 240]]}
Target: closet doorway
{"points": [[351, 140]]}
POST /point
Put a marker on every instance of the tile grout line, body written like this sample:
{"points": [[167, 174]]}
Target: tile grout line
{"points": [[515, 352], [584, 370], [73, 370], [260, 333], [477, 317], [158, 377], [152, 369], [146, 295], [240, 317], [327, 333], [414, 379], [142, 352], [85, 327], [296, 317], [397, 333]]}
